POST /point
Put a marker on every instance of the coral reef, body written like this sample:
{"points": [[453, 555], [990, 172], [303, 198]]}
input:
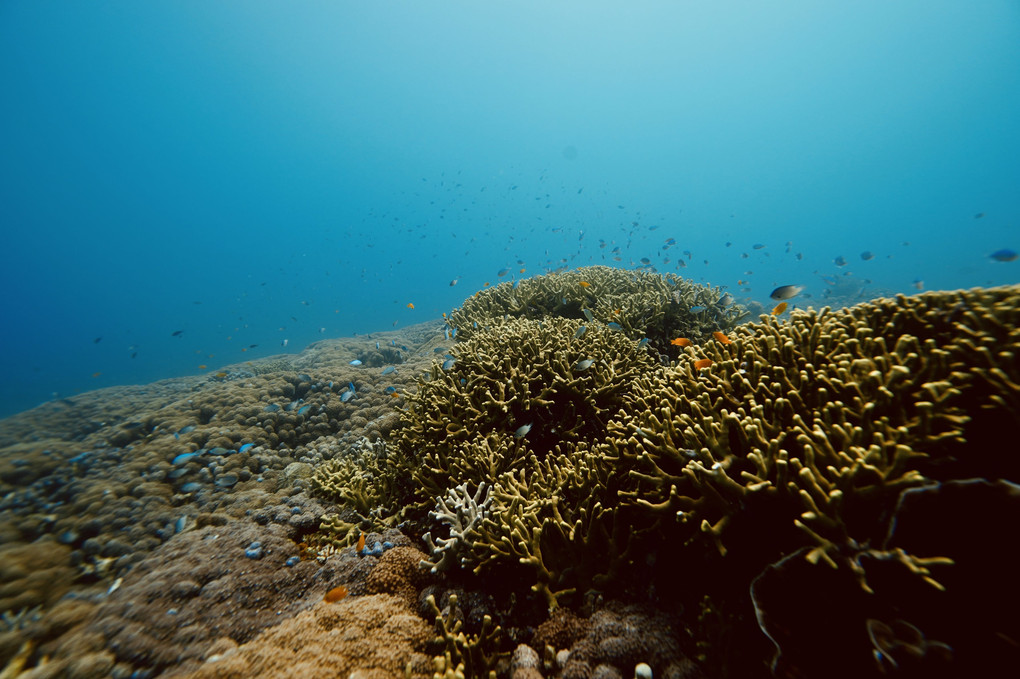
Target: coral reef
{"points": [[370, 637], [801, 497], [656, 306], [804, 435], [515, 412]]}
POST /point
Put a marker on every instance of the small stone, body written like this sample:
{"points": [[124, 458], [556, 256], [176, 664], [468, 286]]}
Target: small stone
{"points": [[254, 550]]}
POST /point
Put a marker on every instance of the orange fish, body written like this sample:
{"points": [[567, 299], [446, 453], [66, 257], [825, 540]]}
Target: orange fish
{"points": [[96, 374], [780, 308], [702, 363], [410, 306], [335, 594], [395, 395], [361, 542], [721, 337], [522, 271], [220, 375], [585, 284], [202, 366], [680, 342]]}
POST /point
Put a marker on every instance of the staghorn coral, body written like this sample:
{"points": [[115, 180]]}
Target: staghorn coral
{"points": [[804, 435], [512, 391], [359, 479], [463, 654], [645, 304], [516, 412], [462, 513]]}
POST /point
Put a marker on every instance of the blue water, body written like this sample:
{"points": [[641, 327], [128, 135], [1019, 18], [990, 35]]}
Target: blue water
{"points": [[254, 172]]}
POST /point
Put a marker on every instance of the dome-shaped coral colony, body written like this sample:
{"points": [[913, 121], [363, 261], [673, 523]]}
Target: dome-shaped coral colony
{"points": [[821, 490]]}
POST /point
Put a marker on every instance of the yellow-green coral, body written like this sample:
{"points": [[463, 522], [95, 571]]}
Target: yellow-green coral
{"points": [[659, 307], [824, 420]]}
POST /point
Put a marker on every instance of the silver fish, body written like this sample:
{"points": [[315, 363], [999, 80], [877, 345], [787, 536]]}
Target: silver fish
{"points": [[786, 292], [522, 431], [581, 366]]}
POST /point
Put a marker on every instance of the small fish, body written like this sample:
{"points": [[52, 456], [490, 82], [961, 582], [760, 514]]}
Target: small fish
{"points": [[726, 300], [335, 594], [1003, 255], [867, 254], [97, 340], [758, 246], [697, 309], [346, 396], [585, 284], [361, 542], [702, 363], [589, 315], [503, 272], [680, 342], [303, 410], [522, 431], [448, 364], [581, 366], [580, 332], [722, 337], [284, 342], [355, 362], [410, 305], [839, 261], [918, 283], [246, 446], [177, 333], [202, 366], [642, 343], [786, 292], [454, 282], [614, 326], [390, 390], [780, 308], [388, 369]]}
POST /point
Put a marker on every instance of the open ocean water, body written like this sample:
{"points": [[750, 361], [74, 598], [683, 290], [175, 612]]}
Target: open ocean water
{"points": [[187, 189]]}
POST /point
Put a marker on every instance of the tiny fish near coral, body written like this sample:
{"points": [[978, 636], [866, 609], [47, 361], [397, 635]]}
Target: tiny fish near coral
{"points": [[335, 594]]}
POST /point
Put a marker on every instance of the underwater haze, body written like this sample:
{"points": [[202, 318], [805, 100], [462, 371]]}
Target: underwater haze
{"points": [[189, 185]]}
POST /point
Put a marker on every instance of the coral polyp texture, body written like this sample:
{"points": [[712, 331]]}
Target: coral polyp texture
{"points": [[514, 420], [554, 497], [804, 435], [642, 303]]}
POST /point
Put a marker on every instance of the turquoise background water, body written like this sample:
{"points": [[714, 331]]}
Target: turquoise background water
{"points": [[250, 172]]}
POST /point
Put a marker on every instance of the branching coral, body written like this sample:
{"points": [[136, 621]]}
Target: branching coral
{"points": [[644, 304]]}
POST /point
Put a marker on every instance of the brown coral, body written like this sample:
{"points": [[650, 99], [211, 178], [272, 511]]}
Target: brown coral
{"points": [[659, 307], [805, 434], [373, 636]]}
